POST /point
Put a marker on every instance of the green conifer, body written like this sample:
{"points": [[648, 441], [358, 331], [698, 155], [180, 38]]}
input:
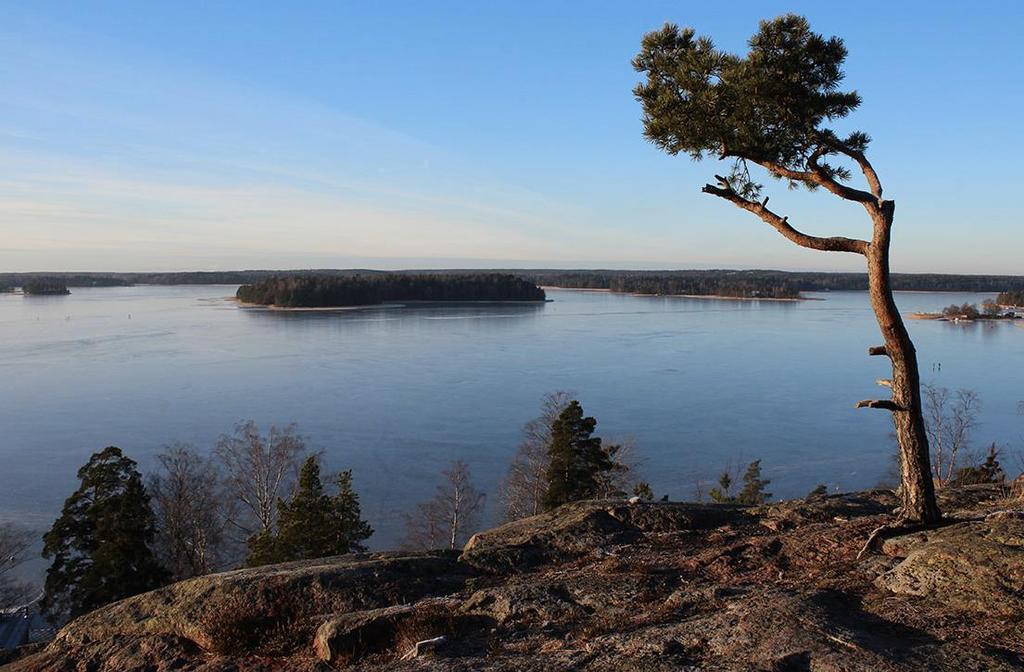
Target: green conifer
{"points": [[351, 529], [312, 524], [101, 543], [577, 460], [753, 492]]}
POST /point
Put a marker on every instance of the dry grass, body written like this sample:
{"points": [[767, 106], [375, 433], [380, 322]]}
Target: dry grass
{"points": [[266, 623]]}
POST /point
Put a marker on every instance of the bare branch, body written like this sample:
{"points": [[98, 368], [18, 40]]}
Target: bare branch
{"points": [[884, 404], [780, 224], [876, 350]]}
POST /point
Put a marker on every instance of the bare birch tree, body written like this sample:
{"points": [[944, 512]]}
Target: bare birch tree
{"points": [[522, 491], [192, 511], [950, 419], [258, 470], [451, 516]]}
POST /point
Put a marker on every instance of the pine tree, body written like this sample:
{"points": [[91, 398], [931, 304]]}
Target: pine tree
{"points": [[773, 109], [577, 460], [101, 543], [312, 524], [351, 529], [753, 492], [722, 494]]}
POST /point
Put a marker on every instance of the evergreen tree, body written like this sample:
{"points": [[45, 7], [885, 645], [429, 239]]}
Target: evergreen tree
{"points": [[820, 490], [263, 549], [989, 471], [773, 108], [312, 524], [578, 462], [753, 492], [351, 529], [722, 494], [101, 543]]}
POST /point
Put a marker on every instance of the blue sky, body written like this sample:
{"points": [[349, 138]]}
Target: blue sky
{"points": [[216, 135]]}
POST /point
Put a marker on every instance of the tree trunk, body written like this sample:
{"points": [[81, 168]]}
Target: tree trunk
{"points": [[917, 489]]}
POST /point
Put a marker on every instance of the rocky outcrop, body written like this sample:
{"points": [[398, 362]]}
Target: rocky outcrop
{"points": [[974, 566], [605, 586], [586, 528], [342, 639]]}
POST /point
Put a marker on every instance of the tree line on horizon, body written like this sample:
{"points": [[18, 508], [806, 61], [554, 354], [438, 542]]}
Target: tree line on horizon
{"points": [[363, 290], [763, 283], [714, 281]]}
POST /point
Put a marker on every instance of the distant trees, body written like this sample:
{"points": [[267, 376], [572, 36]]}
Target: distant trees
{"points": [[643, 490], [987, 471], [578, 465], [311, 523], [991, 308], [101, 544], [751, 494], [523, 489], [45, 287], [192, 511], [765, 283], [15, 542], [451, 516], [949, 419], [305, 291], [1015, 298], [772, 108], [584, 467], [965, 311]]}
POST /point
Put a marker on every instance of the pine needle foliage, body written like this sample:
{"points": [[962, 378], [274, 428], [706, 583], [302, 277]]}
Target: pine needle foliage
{"points": [[578, 462], [101, 544]]}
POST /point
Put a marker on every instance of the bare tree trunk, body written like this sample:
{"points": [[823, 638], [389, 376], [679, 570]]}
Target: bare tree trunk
{"points": [[917, 490]]}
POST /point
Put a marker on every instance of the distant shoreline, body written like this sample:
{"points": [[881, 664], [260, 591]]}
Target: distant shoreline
{"points": [[939, 317], [717, 297]]}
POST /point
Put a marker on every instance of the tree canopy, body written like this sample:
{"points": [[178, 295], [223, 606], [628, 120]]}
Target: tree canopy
{"points": [[578, 463], [772, 107], [313, 524], [100, 544], [768, 107]]}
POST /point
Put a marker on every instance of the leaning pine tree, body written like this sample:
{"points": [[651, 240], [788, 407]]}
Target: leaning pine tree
{"points": [[770, 109]]}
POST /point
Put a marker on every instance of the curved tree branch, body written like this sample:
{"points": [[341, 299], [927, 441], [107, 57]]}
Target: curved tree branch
{"points": [[869, 171], [818, 176], [780, 224]]}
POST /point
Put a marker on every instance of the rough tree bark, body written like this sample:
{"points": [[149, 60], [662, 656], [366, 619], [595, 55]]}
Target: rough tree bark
{"points": [[917, 489]]}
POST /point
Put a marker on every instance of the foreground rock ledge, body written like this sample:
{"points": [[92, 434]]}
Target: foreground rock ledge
{"points": [[605, 586]]}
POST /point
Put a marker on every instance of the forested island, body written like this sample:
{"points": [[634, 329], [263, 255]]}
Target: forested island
{"points": [[367, 290], [45, 287], [67, 279]]}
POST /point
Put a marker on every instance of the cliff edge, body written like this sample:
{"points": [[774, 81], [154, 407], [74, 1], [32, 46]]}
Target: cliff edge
{"points": [[605, 585]]}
